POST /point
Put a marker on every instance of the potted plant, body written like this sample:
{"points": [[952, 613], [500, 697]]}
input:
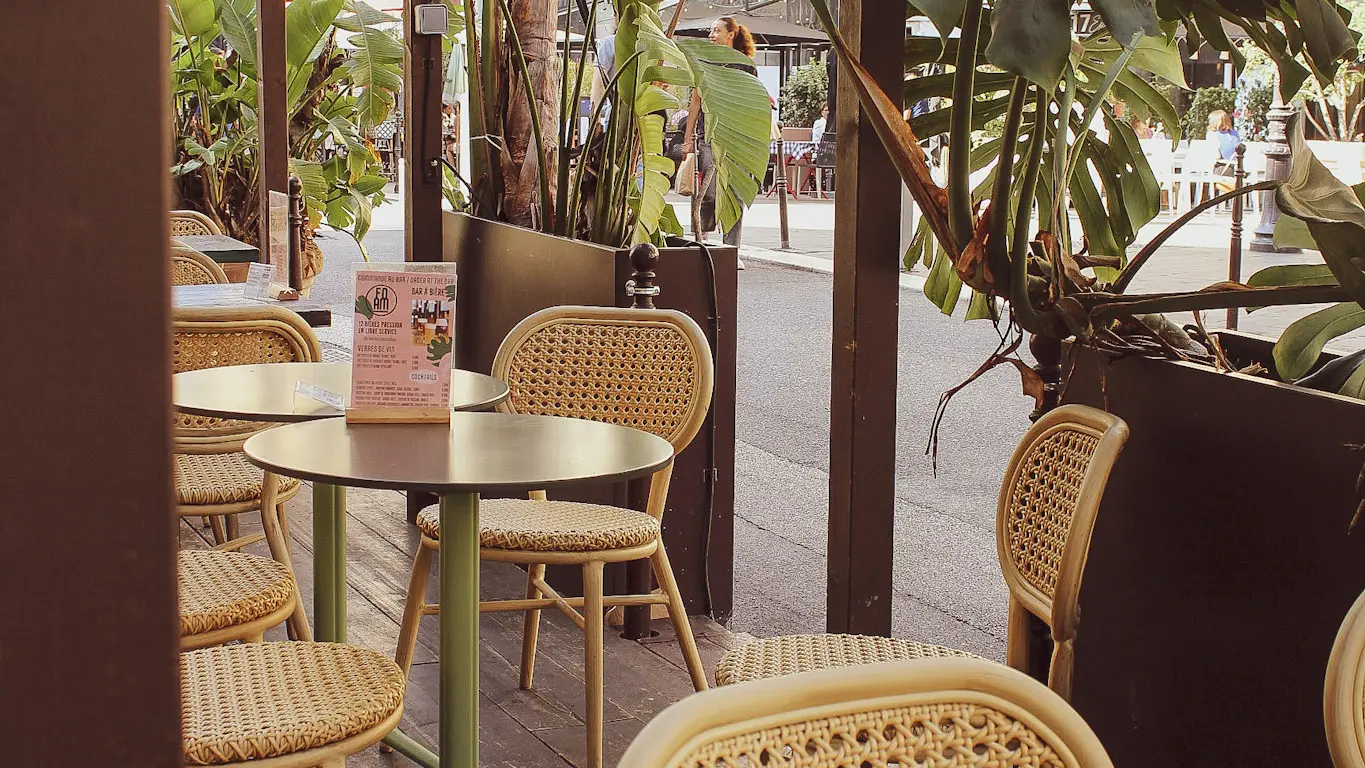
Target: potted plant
{"points": [[336, 95], [553, 211], [1220, 566]]}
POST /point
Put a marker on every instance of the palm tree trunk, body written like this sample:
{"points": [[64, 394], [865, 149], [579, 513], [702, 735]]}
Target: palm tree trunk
{"points": [[535, 22]]}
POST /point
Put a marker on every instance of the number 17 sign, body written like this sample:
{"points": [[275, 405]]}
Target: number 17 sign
{"points": [[402, 343]]}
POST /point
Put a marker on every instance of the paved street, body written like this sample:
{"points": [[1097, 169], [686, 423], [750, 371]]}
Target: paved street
{"points": [[948, 584]]}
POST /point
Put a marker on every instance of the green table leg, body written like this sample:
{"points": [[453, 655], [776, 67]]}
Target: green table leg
{"points": [[324, 562], [339, 562], [459, 630], [408, 747]]}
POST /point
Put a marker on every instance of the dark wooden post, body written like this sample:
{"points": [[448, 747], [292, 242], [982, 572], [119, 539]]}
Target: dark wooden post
{"points": [[1235, 244], [1047, 350], [780, 181], [296, 220], [422, 88], [639, 576], [640, 287], [272, 111], [866, 295], [89, 639]]}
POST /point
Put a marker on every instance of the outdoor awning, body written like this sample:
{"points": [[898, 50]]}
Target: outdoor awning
{"points": [[767, 30]]}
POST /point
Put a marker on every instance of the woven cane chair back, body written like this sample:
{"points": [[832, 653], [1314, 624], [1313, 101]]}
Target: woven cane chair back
{"points": [[1343, 699], [1048, 502], [644, 368], [190, 267], [215, 337], [959, 712], [192, 223]]}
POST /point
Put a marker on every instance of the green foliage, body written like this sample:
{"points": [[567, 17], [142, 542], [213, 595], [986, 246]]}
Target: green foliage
{"points": [[614, 191], [1195, 121], [1255, 108], [333, 96], [805, 92]]}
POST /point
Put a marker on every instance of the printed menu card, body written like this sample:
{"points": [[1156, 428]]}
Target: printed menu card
{"points": [[401, 344]]}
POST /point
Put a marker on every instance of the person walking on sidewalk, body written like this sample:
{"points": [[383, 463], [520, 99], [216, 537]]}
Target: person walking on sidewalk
{"points": [[729, 32]]}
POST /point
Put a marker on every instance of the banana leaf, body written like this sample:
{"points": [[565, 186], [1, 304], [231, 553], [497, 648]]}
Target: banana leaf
{"points": [[238, 20], [376, 67], [738, 124]]}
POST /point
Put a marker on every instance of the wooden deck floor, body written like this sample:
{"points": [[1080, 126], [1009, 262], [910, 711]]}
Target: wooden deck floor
{"points": [[521, 729]]}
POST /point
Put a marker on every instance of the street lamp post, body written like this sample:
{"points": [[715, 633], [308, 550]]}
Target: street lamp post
{"points": [[1276, 169]]}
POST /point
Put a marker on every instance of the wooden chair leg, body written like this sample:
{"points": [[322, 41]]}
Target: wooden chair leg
{"points": [[412, 607], [279, 551], [254, 639], [282, 512], [531, 628], [1063, 661], [593, 619], [234, 528], [1017, 637], [207, 521], [677, 613], [220, 536]]}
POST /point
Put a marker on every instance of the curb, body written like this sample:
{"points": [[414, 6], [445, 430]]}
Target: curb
{"points": [[820, 264]]}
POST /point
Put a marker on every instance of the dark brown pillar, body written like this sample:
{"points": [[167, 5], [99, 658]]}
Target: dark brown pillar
{"points": [[866, 291], [272, 110], [89, 634], [422, 86], [423, 83]]}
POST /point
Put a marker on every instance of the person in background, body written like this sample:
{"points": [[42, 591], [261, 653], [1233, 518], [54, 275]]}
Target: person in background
{"points": [[724, 31], [1220, 128], [1220, 125], [817, 130]]}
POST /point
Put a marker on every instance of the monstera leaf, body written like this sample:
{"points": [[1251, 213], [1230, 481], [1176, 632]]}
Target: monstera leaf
{"points": [[1324, 214], [1114, 193]]}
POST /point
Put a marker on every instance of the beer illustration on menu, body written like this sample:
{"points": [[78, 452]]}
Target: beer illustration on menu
{"points": [[402, 343]]}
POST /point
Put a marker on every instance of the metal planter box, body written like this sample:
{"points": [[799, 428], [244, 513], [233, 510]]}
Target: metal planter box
{"points": [[1220, 568]]}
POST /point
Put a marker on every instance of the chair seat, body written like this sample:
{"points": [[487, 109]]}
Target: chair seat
{"points": [[790, 654], [552, 526], [228, 589], [262, 700], [221, 478]]}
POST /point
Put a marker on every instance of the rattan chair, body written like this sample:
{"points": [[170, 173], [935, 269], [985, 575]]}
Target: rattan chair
{"points": [[285, 705], [190, 267], [648, 369], [192, 223], [226, 596], [213, 477], [965, 713], [1343, 699], [1046, 511]]}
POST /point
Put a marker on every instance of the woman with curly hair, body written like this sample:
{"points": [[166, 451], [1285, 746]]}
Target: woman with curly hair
{"points": [[728, 32]]}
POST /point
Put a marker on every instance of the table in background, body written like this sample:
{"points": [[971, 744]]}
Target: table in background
{"points": [[232, 254], [230, 295], [475, 453]]}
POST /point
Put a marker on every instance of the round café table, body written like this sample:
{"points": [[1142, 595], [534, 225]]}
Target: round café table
{"points": [[271, 393], [476, 453]]}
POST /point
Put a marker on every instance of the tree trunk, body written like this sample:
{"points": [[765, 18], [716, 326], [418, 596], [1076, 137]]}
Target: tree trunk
{"points": [[534, 21]]}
